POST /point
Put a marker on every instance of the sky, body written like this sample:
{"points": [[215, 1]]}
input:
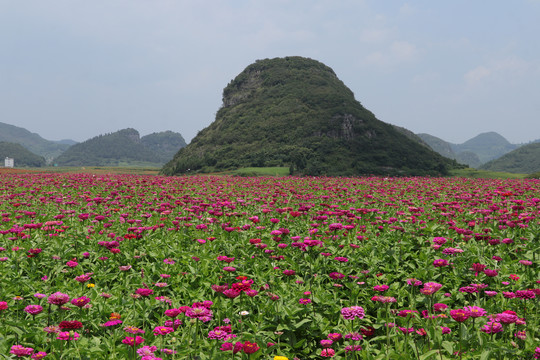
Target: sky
{"points": [[73, 69]]}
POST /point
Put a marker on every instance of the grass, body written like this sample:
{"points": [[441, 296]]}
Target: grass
{"points": [[485, 174]]}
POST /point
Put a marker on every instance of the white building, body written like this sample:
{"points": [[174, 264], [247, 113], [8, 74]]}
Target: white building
{"points": [[9, 162]]}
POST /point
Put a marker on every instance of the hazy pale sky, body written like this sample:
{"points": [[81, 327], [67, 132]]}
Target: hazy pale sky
{"points": [[454, 69]]}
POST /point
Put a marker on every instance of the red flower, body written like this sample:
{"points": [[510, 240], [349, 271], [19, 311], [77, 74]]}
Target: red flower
{"points": [[70, 324], [250, 348]]}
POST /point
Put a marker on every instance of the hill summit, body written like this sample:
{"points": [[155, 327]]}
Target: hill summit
{"points": [[295, 112]]}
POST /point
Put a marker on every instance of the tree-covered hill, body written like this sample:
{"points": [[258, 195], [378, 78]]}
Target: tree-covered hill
{"points": [[165, 144], [124, 147], [21, 155], [524, 160], [487, 146], [31, 141], [295, 112]]}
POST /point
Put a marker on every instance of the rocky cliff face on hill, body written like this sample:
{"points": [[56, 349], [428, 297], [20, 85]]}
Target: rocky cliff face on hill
{"points": [[295, 112]]}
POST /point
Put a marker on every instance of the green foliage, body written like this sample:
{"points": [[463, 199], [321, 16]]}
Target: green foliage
{"points": [[21, 156], [165, 144], [524, 160], [294, 112], [122, 148]]}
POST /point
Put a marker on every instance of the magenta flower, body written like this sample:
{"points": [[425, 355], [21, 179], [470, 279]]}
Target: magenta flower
{"points": [[130, 341], [353, 312], [20, 350], [475, 311], [430, 288], [380, 288], [68, 335], [492, 327], [200, 313], [491, 273], [440, 262], [39, 355], [111, 323], [460, 315], [328, 353], [58, 299], [80, 302], [144, 291], [162, 330], [33, 309]]}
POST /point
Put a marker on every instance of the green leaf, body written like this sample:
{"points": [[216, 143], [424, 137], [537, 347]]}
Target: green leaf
{"points": [[448, 346], [429, 354], [301, 323], [485, 355]]}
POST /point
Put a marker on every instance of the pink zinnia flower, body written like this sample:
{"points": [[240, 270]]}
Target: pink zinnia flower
{"points": [[492, 327], [33, 309], [68, 335], [475, 311], [162, 330], [440, 262], [80, 302], [430, 288], [507, 317], [39, 355], [380, 288], [328, 353], [58, 298], [20, 350], [353, 312], [460, 315], [144, 292], [130, 341], [200, 313]]}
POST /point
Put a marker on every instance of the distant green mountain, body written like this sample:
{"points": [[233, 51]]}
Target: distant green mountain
{"points": [[474, 152], [165, 144], [20, 155], [31, 141], [524, 160], [439, 145], [124, 147], [487, 146], [295, 112]]}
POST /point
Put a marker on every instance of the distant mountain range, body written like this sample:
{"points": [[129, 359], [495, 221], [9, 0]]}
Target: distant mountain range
{"points": [[33, 142], [124, 147], [474, 152], [489, 151]]}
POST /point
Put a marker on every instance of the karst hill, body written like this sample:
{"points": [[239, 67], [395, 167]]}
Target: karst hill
{"points": [[295, 112]]}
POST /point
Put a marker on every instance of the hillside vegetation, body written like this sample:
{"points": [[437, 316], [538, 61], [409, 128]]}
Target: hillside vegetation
{"points": [[21, 156], [295, 112], [121, 148], [33, 142], [524, 160]]}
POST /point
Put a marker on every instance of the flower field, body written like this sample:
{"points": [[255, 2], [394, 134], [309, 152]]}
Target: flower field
{"points": [[149, 267]]}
